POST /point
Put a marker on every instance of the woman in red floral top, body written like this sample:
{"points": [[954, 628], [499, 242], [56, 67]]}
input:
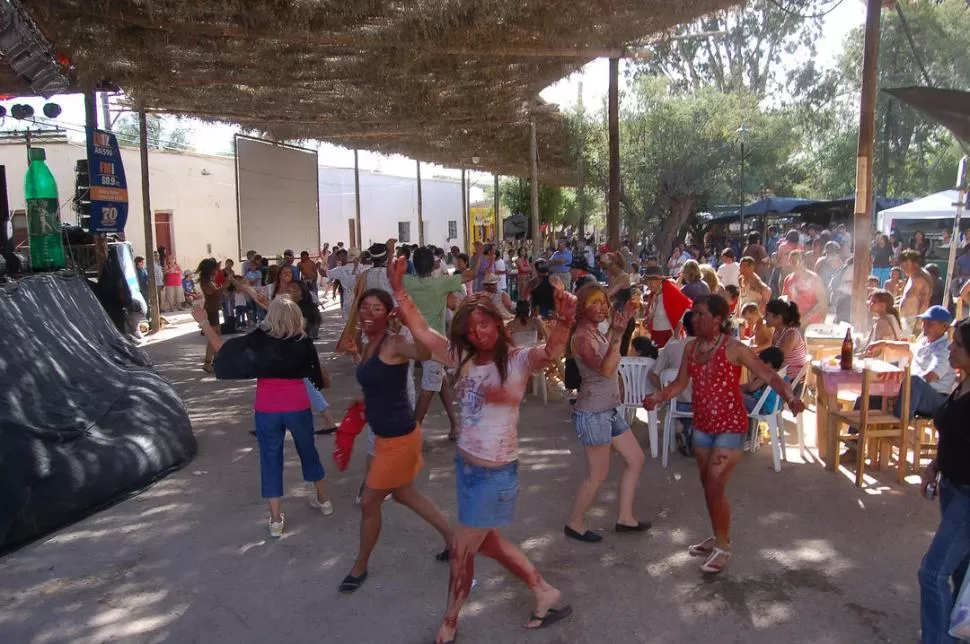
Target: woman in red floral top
{"points": [[712, 363]]}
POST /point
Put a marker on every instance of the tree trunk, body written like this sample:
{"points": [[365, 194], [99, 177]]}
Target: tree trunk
{"points": [[680, 209]]}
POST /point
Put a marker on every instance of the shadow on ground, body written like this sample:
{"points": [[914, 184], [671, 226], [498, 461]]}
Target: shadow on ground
{"points": [[816, 560]]}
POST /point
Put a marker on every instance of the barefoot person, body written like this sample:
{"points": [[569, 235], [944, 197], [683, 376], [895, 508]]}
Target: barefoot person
{"points": [[287, 356], [598, 416], [382, 373], [492, 379], [712, 365]]}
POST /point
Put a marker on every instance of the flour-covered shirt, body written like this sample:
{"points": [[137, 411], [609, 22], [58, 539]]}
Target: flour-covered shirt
{"points": [[490, 409]]}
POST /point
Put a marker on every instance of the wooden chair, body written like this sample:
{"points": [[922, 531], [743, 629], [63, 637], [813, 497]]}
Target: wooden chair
{"points": [[923, 440], [875, 425], [636, 386]]}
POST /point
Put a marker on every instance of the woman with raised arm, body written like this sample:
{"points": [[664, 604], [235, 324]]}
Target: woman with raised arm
{"points": [[712, 366], [492, 379]]}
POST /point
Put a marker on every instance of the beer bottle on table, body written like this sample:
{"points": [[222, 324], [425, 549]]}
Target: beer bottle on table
{"points": [[846, 358], [43, 219]]}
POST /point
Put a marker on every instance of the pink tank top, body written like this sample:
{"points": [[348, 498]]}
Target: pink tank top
{"points": [[717, 383]]}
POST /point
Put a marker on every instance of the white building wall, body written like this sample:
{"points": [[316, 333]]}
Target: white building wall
{"points": [[203, 206], [385, 201]]}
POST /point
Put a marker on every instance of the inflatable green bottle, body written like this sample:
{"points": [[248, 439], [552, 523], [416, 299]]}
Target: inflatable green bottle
{"points": [[43, 218]]}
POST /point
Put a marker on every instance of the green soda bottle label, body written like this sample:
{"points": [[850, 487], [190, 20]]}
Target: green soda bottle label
{"points": [[42, 218]]}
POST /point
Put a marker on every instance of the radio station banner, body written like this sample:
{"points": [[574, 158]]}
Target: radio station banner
{"points": [[109, 189]]}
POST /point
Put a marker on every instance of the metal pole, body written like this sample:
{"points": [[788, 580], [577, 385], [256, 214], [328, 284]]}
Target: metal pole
{"points": [[862, 218], [498, 230], [360, 233], [152, 295], [534, 188], [420, 209], [613, 212], [955, 237], [105, 111], [466, 229]]}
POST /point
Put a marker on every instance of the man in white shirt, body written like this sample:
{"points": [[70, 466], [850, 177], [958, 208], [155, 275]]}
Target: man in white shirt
{"points": [[500, 273], [346, 272], [729, 270]]}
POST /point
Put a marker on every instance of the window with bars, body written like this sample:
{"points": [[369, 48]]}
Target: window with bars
{"points": [[452, 229], [404, 232]]}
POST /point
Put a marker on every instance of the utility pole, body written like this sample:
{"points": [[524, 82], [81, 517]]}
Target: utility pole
{"points": [[613, 212], [581, 188], [496, 215], [420, 209], [360, 234], [466, 228], [91, 123], [534, 187], [152, 295], [862, 218]]}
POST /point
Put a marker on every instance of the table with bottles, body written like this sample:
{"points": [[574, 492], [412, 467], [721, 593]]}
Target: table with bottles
{"points": [[830, 379]]}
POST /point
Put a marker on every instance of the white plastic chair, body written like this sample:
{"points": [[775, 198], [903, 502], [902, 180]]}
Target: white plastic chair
{"points": [[667, 376], [636, 386], [530, 339], [772, 417]]}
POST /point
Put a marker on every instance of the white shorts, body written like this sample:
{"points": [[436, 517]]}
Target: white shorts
{"points": [[432, 375]]}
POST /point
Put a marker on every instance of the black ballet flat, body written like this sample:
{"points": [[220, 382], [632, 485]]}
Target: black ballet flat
{"points": [[587, 537], [641, 526]]}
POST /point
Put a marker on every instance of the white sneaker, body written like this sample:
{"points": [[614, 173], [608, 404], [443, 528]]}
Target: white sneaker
{"points": [[325, 507], [276, 529]]}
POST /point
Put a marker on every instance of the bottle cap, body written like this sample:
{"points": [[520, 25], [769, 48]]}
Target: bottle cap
{"points": [[38, 154]]}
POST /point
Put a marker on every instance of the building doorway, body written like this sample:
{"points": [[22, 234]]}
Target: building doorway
{"points": [[164, 235]]}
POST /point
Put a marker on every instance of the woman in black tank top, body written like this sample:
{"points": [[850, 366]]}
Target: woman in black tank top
{"points": [[382, 372]]}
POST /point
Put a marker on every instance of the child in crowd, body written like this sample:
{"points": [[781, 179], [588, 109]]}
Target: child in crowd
{"points": [[733, 294], [872, 283], [895, 283], [754, 328], [643, 347], [188, 288], [754, 388]]}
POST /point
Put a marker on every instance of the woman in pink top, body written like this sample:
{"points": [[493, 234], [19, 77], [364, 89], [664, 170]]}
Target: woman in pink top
{"points": [[712, 365], [492, 378], [285, 357], [524, 269], [173, 285], [805, 288]]}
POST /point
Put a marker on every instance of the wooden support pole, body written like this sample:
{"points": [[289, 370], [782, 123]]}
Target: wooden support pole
{"points": [[862, 229], [466, 229], [613, 211], [146, 205], [91, 122], [534, 187], [499, 231], [360, 233], [420, 209]]}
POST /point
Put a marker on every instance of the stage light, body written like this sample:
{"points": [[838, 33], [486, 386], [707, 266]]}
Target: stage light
{"points": [[29, 54], [21, 111], [3, 112], [52, 110]]}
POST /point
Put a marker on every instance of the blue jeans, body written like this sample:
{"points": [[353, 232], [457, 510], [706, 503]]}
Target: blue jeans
{"points": [[946, 559], [270, 431]]}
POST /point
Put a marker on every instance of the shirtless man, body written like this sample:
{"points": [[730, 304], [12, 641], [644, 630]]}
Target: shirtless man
{"points": [[916, 293], [753, 288], [309, 275]]}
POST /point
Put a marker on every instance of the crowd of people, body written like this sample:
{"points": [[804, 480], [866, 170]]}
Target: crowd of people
{"points": [[480, 324]]}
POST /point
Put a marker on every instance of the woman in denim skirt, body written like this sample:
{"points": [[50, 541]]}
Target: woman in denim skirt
{"points": [[492, 378], [598, 416]]}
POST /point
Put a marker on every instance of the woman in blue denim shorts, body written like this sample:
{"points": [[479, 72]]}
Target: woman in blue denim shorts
{"points": [[712, 364], [598, 416], [492, 378]]}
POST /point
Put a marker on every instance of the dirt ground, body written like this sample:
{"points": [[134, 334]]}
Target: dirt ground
{"points": [[189, 559]]}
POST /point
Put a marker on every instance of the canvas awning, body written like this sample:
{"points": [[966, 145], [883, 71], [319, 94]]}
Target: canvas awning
{"points": [[936, 206]]}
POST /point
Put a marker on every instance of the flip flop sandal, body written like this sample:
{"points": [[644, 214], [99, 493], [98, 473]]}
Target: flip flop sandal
{"points": [[702, 549], [552, 616], [351, 584], [714, 568]]}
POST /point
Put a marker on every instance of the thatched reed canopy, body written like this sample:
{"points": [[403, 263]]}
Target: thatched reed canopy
{"points": [[437, 80]]}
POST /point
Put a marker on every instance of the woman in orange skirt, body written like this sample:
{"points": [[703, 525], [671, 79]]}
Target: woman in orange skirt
{"points": [[382, 373]]}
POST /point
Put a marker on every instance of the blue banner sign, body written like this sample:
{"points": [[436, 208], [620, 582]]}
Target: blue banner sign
{"points": [[109, 189]]}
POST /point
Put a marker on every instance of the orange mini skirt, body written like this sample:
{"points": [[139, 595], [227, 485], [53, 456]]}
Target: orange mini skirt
{"points": [[397, 461]]}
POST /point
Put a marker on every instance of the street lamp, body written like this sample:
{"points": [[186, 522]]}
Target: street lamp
{"points": [[741, 132]]}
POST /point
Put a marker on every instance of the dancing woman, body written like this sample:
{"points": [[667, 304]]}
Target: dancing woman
{"points": [[492, 379], [712, 365], [383, 373]]}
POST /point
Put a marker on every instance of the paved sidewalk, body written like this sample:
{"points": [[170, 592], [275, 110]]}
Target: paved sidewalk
{"points": [[189, 560]]}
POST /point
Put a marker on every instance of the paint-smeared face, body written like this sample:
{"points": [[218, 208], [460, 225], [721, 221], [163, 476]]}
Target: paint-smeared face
{"points": [[597, 307], [482, 330], [705, 325], [286, 276], [373, 315]]}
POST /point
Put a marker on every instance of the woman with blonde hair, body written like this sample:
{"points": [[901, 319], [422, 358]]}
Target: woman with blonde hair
{"points": [[597, 414], [885, 317], [285, 356], [709, 276], [693, 285]]}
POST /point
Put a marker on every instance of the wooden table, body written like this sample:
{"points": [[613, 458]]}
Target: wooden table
{"points": [[830, 380]]}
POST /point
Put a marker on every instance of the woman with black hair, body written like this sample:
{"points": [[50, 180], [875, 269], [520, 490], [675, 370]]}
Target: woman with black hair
{"points": [[786, 321], [299, 292], [212, 303], [944, 565], [712, 366]]}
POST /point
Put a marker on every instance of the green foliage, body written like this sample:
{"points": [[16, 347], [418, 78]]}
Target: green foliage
{"points": [[554, 202], [161, 135]]}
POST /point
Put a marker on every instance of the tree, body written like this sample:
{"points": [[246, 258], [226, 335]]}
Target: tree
{"points": [[554, 202], [749, 56], [160, 134], [681, 154]]}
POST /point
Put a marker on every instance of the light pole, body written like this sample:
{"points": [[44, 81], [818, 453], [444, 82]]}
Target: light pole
{"points": [[741, 132]]}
